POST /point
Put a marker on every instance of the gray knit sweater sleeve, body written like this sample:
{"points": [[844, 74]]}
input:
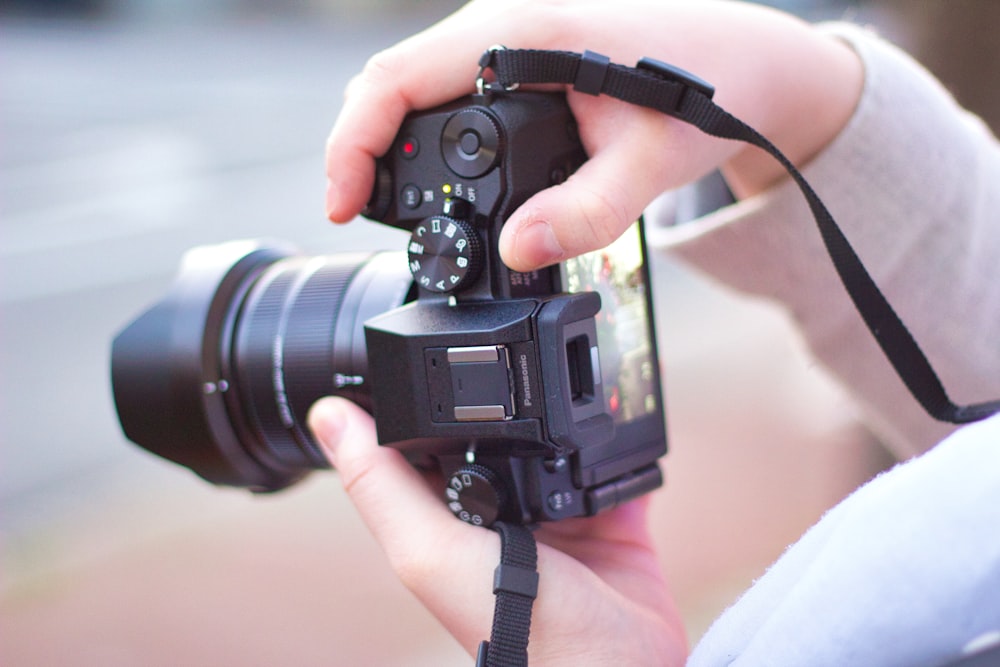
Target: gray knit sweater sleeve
{"points": [[914, 182]]}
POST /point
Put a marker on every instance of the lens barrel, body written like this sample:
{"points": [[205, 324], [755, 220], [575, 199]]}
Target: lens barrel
{"points": [[220, 374]]}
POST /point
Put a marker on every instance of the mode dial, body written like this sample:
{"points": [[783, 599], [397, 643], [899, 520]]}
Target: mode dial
{"points": [[445, 254], [476, 495]]}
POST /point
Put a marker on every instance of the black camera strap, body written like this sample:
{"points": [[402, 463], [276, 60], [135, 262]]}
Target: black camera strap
{"points": [[515, 584], [679, 94]]}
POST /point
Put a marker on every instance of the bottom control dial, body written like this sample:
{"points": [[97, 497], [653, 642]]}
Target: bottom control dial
{"points": [[476, 495]]}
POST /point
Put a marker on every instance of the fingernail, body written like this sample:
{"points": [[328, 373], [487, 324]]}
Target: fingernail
{"points": [[326, 421], [536, 245], [332, 200]]}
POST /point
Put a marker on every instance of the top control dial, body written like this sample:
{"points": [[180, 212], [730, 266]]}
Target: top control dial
{"points": [[470, 143], [445, 254]]}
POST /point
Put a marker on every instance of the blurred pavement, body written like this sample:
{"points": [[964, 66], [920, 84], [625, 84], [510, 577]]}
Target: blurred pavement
{"points": [[124, 144]]}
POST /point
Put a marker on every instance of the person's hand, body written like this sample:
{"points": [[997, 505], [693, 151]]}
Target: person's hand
{"points": [[602, 598], [795, 85]]}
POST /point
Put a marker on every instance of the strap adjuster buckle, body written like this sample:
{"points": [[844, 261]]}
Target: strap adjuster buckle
{"points": [[673, 73], [484, 648], [590, 74], [515, 579]]}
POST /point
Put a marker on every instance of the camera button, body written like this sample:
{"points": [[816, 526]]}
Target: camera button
{"points": [[409, 148], [470, 143], [410, 196]]}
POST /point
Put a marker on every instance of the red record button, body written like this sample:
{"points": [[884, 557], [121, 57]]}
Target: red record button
{"points": [[409, 148]]}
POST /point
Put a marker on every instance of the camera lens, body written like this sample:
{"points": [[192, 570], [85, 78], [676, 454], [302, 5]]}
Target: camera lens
{"points": [[220, 374]]}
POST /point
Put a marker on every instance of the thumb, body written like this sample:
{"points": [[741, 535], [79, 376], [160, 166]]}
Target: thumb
{"points": [[425, 544], [589, 211], [389, 493]]}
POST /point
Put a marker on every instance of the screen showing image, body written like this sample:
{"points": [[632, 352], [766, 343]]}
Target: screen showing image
{"points": [[624, 331]]}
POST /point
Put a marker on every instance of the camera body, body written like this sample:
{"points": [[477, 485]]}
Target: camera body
{"points": [[537, 395], [495, 375]]}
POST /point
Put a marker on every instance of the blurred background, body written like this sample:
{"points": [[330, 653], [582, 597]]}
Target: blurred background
{"points": [[131, 130]]}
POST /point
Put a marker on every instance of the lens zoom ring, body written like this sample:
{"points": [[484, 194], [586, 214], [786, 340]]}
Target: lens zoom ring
{"points": [[283, 346], [258, 362], [309, 341]]}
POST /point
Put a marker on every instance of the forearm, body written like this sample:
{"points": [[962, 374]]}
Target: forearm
{"points": [[814, 83], [909, 183]]}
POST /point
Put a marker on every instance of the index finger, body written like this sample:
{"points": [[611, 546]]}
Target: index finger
{"points": [[423, 71]]}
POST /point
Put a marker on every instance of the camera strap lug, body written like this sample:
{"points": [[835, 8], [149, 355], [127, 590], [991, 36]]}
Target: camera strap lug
{"points": [[485, 63], [682, 95]]}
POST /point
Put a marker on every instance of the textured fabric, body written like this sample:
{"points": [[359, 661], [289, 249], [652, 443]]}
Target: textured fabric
{"points": [[906, 571], [912, 182], [516, 585]]}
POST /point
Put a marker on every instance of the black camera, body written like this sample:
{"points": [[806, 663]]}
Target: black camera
{"points": [[537, 395]]}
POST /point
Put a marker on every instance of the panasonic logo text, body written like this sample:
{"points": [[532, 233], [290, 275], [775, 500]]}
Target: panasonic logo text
{"points": [[525, 380]]}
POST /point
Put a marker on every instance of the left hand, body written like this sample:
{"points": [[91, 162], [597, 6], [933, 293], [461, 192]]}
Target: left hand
{"points": [[602, 598]]}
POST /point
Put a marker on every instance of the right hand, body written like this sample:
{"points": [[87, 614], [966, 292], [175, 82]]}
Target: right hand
{"points": [[795, 85]]}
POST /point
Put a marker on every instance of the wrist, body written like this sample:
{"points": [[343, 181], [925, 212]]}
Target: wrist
{"points": [[812, 101]]}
